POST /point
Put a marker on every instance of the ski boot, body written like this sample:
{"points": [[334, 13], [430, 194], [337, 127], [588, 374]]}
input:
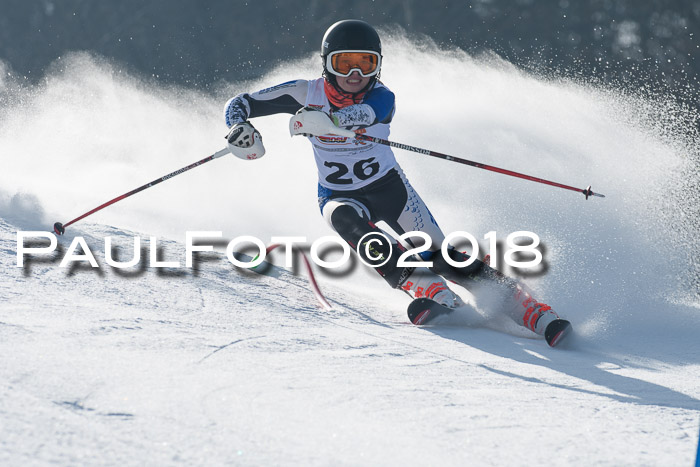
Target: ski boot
{"points": [[432, 297], [540, 319], [423, 283]]}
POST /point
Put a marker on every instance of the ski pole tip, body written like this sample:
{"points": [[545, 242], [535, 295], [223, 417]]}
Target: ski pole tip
{"points": [[588, 192], [59, 229]]}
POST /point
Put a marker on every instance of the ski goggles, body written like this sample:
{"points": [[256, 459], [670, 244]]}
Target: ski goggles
{"points": [[344, 62]]}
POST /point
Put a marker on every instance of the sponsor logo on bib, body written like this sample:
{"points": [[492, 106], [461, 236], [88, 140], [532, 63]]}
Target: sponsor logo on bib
{"points": [[331, 139]]}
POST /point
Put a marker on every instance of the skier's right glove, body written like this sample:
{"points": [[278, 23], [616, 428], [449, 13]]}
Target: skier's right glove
{"points": [[313, 122], [245, 142]]}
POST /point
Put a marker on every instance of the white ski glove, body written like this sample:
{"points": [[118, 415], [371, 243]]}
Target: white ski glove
{"points": [[245, 142], [310, 121]]}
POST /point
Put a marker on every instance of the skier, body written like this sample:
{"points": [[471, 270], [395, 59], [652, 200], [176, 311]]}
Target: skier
{"points": [[360, 183]]}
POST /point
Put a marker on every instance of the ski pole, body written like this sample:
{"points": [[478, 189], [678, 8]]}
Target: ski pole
{"points": [[587, 191], [312, 278], [60, 229]]}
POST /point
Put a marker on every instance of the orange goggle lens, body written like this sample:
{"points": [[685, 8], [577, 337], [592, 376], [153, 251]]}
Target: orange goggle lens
{"points": [[342, 63]]}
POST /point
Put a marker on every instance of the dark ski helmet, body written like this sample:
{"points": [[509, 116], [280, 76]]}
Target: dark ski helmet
{"points": [[350, 35]]}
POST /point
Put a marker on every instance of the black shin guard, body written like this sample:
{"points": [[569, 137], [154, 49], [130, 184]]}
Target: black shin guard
{"points": [[352, 228]]}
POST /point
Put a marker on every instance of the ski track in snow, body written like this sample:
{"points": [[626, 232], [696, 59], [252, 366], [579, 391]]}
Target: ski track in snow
{"points": [[236, 367], [221, 366]]}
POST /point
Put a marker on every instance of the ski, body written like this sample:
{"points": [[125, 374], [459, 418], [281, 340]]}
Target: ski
{"points": [[556, 331], [423, 310]]}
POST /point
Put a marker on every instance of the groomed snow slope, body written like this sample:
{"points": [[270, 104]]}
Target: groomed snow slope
{"points": [[224, 366]]}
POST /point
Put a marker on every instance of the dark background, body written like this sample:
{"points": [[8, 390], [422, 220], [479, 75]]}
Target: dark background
{"points": [[198, 44]]}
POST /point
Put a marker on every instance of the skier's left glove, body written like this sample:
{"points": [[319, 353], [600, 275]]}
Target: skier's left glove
{"points": [[314, 122], [245, 142]]}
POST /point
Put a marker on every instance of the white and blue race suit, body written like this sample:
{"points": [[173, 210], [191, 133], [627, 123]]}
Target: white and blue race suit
{"points": [[360, 183]]}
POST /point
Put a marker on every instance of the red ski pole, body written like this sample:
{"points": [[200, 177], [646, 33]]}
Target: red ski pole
{"points": [[587, 191], [60, 229]]}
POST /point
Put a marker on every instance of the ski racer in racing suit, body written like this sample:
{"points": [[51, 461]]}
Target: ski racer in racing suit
{"points": [[360, 182]]}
